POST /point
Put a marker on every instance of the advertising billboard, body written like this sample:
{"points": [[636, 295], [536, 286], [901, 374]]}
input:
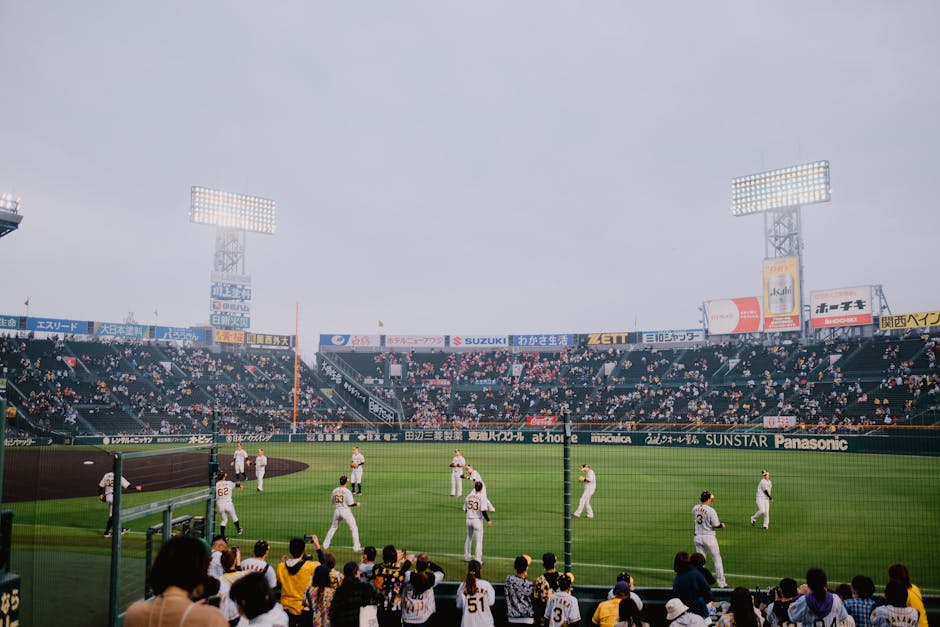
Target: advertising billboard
{"points": [[348, 339], [844, 307], [915, 320], [781, 294], [733, 315], [479, 341], [414, 341]]}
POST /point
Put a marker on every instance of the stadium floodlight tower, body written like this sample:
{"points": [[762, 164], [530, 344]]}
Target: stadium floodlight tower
{"points": [[780, 195], [10, 217], [233, 215]]}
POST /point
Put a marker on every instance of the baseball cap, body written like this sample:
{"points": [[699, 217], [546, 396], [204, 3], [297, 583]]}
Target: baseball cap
{"points": [[705, 496], [624, 576], [521, 564], [261, 547], [764, 472], [622, 588], [565, 581], [675, 608]]}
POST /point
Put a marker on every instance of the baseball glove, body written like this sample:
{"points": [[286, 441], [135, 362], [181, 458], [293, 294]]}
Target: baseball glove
{"points": [[352, 464]]}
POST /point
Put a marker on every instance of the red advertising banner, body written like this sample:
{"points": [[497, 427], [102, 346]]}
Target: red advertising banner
{"points": [[541, 421], [733, 315], [845, 307], [440, 383]]}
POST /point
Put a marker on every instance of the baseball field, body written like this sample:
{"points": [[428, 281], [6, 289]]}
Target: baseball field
{"points": [[847, 513]]}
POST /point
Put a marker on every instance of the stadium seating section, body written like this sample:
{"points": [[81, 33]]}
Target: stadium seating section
{"points": [[87, 387]]}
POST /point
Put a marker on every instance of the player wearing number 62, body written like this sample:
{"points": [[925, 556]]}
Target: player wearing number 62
{"points": [[476, 505], [475, 597], [706, 521]]}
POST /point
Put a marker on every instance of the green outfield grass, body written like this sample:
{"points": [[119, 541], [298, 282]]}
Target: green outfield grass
{"points": [[847, 513]]}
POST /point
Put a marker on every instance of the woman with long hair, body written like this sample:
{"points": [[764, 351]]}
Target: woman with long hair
{"points": [[741, 611], [256, 602], [418, 603], [475, 597], [628, 614], [319, 596], [915, 598], [178, 575]]}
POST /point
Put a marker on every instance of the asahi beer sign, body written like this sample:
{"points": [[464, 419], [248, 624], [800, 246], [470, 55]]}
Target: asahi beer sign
{"points": [[782, 294]]}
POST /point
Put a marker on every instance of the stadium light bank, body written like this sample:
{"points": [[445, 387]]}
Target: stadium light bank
{"points": [[779, 195], [10, 217]]}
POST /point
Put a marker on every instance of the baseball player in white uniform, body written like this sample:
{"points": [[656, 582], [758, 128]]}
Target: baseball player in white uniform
{"points": [[474, 477], [476, 505], [457, 464], [223, 502], [356, 462], [590, 484], [238, 462], [764, 498], [343, 500], [106, 494], [261, 465], [706, 521], [562, 608]]}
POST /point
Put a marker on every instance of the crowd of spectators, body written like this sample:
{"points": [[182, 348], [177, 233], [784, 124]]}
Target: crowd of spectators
{"points": [[303, 589], [162, 388]]}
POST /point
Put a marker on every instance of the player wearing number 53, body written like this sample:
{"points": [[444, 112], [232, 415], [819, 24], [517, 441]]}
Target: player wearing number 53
{"points": [[475, 597], [476, 505]]}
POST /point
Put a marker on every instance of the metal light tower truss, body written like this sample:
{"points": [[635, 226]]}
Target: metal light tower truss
{"points": [[780, 195], [229, 251]]}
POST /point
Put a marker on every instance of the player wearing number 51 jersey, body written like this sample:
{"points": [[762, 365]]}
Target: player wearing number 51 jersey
{"points": [[475, 597], [343, 500], [706, 521]]}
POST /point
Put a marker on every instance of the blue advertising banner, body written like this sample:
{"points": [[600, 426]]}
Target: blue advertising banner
{"points": [[180, 334], [9, 323], [56, 325], [117, 329], [548, 340]]}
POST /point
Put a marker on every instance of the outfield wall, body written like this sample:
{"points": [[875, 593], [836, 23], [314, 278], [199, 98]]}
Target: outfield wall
{"points": [[896, 444]]}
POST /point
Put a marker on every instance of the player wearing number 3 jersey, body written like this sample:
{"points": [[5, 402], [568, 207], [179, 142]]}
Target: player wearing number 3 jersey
{"points": [[706, 521], [475, 597], [476, 505]]}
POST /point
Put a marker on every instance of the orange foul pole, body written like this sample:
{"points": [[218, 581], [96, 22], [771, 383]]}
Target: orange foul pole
{"points": [[296, 364]]}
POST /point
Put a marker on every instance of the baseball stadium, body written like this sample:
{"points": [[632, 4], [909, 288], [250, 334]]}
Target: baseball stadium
{"points": [[469, 314], [845, 424]]}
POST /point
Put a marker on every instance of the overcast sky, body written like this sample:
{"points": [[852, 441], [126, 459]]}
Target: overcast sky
{"points": [[478, 166]]}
